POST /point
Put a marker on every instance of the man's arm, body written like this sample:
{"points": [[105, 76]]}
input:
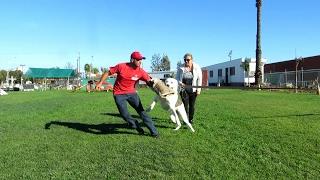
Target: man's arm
{"points": [[102, 79]]}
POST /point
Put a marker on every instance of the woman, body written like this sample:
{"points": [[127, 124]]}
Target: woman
{"points": [[189, 74]]}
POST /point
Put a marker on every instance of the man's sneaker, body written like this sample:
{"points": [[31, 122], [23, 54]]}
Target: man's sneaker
{"points": [[140, 130], [47, 126], [156, 136]]}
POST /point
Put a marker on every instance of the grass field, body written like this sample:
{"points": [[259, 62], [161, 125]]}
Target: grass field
{"points": [[239, 134]]}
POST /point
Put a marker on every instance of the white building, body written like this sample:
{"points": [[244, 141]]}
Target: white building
{"points": [[162, 74], [231, 72]]}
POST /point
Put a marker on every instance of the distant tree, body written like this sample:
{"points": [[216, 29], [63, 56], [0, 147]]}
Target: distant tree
{"points": [[16, 74], [159, 63], [165, 63], [69, 65], [103, 70], [3, 75], [87, 68], [155, 62], [95, 70], [246, 67], [179, 64]]}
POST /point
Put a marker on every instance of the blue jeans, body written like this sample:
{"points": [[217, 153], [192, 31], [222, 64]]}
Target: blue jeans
{"points": [[135, 102]]}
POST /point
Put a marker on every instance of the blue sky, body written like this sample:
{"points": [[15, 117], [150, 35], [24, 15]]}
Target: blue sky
{"points": [[51, 33]]}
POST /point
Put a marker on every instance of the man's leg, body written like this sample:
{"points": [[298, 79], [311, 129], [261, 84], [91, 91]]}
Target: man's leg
{"points": [[135, 102], [121, 102]]}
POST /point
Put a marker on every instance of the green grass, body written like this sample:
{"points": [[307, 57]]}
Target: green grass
{"points": [[239, 134]]}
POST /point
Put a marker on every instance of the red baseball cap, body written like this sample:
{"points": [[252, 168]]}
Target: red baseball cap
{"points": [[137, 55]]}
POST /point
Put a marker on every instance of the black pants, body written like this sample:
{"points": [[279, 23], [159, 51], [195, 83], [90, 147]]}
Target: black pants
{"points": [[189, 100], [134, 101]]}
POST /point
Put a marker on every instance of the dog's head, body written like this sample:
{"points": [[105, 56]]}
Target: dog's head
{"points": [[172, 84]]}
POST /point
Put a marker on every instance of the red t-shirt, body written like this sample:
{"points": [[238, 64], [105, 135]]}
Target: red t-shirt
{"points": [[127, 77]]}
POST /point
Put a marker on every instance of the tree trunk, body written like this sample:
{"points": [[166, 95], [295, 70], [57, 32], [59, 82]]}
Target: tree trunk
{"points": [[248, 79], [258, 74]]}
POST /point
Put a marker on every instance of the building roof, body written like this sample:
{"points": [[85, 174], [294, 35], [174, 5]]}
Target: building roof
{"points": [[50, 73], [306, 63], [232, 62]]}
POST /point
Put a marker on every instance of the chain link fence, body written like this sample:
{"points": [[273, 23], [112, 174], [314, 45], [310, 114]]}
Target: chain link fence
{"points": [[300, 78]]}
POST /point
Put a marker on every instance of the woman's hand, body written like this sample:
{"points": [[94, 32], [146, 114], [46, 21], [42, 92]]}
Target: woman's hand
{"points": [[182, 84]]}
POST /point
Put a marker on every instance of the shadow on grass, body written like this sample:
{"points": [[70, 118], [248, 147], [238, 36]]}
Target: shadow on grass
{"points": [[92, 128], [291, 115], [134, 116]]}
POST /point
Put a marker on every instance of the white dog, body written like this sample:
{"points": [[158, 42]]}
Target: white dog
{"points": [[2, 92], [167, 94]]}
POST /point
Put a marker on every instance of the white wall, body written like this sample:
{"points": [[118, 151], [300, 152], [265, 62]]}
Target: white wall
{"points": [[160, 75]]}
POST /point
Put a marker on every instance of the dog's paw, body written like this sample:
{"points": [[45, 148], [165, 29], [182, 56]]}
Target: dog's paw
{"points": [[173, 118]]}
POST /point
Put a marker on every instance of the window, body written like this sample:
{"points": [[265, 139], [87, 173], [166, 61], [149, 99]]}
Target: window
{"points": [[211, 73], [220, 72], [232, 71]]}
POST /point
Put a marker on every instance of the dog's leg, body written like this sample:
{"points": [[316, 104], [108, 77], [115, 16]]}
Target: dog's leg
{"points": [[173, 118], [155, 99], [175, 115], [184, 116]]}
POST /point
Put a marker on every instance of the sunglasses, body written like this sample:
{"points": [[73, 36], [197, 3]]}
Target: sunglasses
{"points": [[185, 60]]}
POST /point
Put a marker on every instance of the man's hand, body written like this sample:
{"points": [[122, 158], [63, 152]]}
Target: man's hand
{"points": [[102, 79], [98, 86]]}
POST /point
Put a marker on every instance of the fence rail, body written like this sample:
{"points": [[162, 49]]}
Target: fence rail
{"points": [[300, 78], [255, 88]]}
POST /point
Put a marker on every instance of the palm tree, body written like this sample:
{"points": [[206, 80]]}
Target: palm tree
{"points": [[87, 68], [258, 75], [246, 67]]}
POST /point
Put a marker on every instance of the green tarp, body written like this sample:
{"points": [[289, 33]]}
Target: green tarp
{"points": [[50, 73]]}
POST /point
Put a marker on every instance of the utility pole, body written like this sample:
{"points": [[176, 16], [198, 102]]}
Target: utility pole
{"points": [[230, 54], [22, 65], [296, 85], [91, 68], [298, 60], [79, 63], [77, 66]]}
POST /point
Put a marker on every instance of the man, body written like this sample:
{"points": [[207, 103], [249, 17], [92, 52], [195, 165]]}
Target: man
{"points": [[128, 74]]}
